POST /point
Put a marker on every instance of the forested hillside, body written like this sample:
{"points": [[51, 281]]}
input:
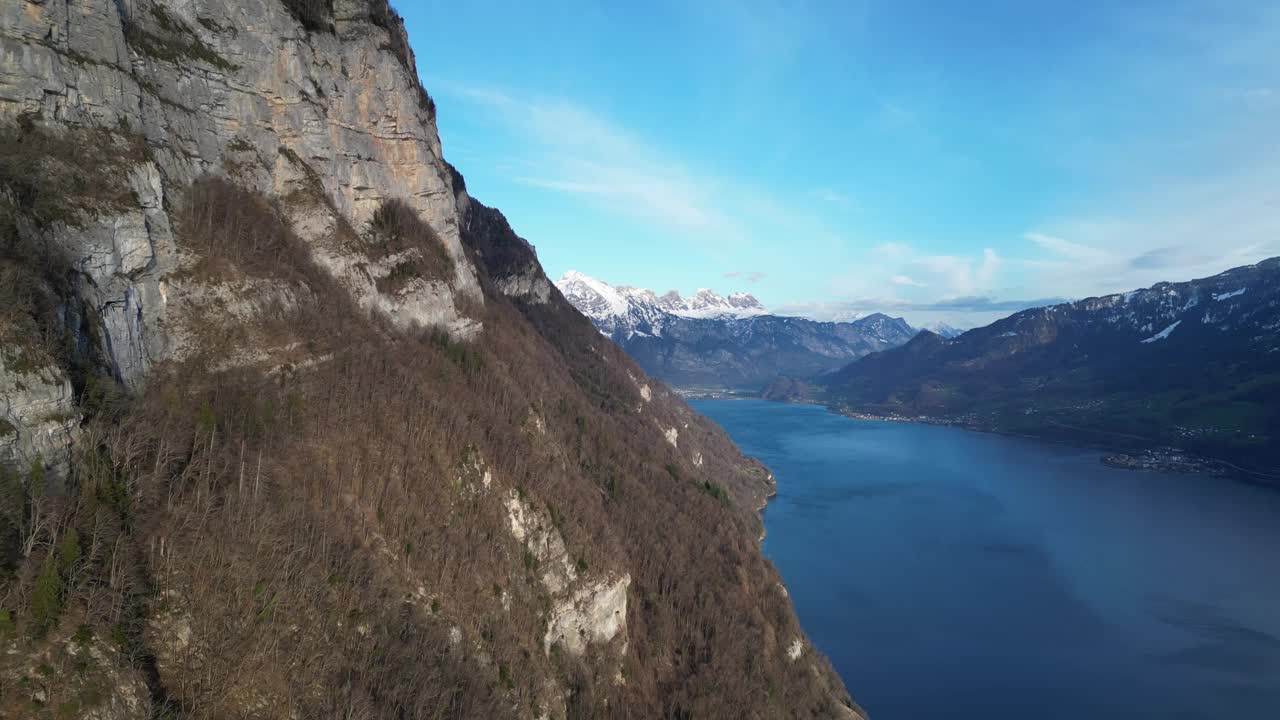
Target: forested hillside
{"points": [[292, 427]]}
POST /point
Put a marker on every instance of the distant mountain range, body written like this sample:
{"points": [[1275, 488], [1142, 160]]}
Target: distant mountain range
{"points": [[711, 341], [1193, 365], [628, 308]]}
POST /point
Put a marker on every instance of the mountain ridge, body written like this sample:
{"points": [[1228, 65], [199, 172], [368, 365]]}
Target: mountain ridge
{"points": [[1192, 365], [601, 301], [720, 342]]}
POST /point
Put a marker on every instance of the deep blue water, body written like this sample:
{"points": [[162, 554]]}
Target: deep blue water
{"points": [[953, 574]]}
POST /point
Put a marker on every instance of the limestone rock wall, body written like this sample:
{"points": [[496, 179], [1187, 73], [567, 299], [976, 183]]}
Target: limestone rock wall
{"points": [[331, 123], [37, 414]]}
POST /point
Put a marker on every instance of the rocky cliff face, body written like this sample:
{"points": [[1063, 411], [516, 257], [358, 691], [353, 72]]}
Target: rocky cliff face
{"points": [[335, 122], [290, 426]]}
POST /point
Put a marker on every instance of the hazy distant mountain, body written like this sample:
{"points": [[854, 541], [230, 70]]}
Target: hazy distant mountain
{"points": [[942, 329], [728, 342], [1192, 364], [848, 316]]}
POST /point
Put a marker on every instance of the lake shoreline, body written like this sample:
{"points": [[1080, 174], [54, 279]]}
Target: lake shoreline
{"points": [[1137, 454], [1131, 453]]}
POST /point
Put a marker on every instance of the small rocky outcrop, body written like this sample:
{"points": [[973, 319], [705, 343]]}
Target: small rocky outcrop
{"points": [[38, 413], [594, 614], [584, 610]]}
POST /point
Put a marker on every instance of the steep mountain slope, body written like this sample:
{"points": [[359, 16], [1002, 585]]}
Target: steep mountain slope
{"points": [[1193, 364], [292, 427], [712, 342]]}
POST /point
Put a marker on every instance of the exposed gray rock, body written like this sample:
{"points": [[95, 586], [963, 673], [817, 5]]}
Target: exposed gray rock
{"points": [[333, 125], [535, 531], [795, 649], [357, 122], [38, 415], [531, 285], [584, 611], [102, 685], [595, 613]]}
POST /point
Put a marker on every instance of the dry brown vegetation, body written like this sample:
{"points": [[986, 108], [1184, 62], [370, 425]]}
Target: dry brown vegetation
{"points": [[396, 229], [302, 536], [50, 180], [314, 15], [234, 231], [161, 36], [33, 279], [58, 177]]}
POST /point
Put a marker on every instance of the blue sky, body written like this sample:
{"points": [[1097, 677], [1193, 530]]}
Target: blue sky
{"points": [[937, 160]]}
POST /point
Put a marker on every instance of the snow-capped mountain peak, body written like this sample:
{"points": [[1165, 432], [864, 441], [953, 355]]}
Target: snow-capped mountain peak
{"points": [[602, 302], [594, 298], [709, 340], [707, 303], [943, 329]]}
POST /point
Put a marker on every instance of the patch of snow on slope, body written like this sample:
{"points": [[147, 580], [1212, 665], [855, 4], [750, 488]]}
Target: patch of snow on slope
{"points": [[1163, 333], [1228, 296], [595, 298]]}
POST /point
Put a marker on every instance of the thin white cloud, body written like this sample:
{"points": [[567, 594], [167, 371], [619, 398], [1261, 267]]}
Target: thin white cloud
{"points": [[488, 96], [986, 272], [891, 251], [1191, 228], [751, 277], [833, 197], [961, 312], [1252, 98], [895, 115], [1066, 248], [634, 190], [898, 278], [1192, 191], [568, 148], [959, 275], [580, 152]]}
